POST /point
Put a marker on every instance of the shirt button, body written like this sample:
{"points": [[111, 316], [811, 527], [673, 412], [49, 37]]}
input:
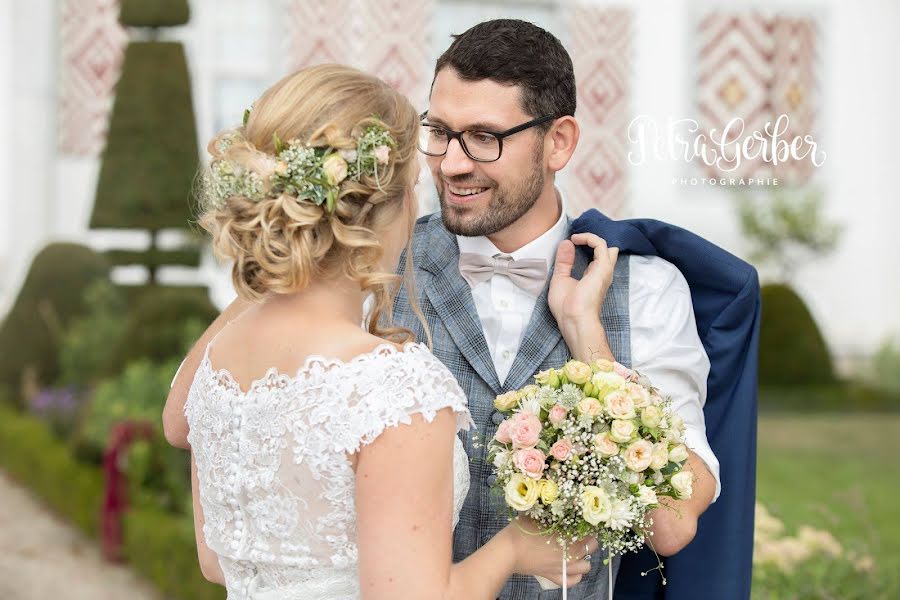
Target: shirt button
{"points": [[504, 304], [497, 417], [507, 354]]}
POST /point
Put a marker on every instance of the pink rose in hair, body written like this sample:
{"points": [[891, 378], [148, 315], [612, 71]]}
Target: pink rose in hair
{"points": [[530, 461], [382, 154], [561, 449], [525, 430]]}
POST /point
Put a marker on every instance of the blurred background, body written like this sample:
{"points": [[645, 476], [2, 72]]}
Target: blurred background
{"points": [[105, 281]]}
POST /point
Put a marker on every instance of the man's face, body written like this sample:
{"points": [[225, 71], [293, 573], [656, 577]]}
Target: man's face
{"points": [[482, 198]]}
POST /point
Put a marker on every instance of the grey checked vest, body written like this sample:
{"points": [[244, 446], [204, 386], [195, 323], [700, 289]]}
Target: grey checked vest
{"points": [[446, 301]]}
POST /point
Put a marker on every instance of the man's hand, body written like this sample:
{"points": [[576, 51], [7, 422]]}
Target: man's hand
{"points": [[576, 304]]}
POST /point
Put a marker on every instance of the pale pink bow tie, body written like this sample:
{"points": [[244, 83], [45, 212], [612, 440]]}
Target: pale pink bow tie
{"points": [[529, 274]]}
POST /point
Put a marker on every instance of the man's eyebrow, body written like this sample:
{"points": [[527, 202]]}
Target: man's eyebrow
{"points": [[478, 126]]}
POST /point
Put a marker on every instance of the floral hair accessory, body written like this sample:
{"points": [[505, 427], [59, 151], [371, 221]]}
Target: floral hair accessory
{"points": [[309, 173]]}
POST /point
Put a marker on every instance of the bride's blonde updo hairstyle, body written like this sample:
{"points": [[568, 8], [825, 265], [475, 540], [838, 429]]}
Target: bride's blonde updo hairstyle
{"points": [[278, 245]]}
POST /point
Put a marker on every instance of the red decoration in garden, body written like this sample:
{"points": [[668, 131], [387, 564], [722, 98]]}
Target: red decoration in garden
{"points": [[115, 494]]}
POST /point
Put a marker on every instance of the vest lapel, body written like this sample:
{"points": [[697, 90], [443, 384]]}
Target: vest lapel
{"points": [[451, 298]]}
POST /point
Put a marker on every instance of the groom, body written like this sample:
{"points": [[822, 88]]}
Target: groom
{"points": [[505, 293]]}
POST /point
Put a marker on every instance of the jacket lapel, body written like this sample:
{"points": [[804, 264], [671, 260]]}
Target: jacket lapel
{"points": [[451, 298]]}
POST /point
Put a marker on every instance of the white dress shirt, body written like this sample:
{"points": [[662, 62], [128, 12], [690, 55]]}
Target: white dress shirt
{"points": [[664, 342]]}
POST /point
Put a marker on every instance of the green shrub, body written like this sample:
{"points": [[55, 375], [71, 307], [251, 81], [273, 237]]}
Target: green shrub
{"points": [[792, 351], [30, 454], [154, 13], [160, 318], [50, 299], [163, 547], [885, 369], [843, 397], [91, 347], [160, 475]]}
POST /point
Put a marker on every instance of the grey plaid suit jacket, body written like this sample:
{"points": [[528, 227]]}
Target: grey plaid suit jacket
{"points": [[458, 341]]}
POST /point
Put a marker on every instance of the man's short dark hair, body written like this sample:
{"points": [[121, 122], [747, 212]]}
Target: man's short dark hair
{"points": [[510, 51]]}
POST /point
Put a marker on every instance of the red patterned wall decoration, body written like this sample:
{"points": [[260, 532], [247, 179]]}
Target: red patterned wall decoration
{"points": [[757, 66], [320, 32], [92, 44], [601, 52]]}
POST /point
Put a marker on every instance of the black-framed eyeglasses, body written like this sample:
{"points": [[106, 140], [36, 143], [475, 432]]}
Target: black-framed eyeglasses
{"points": [[481, 146]]}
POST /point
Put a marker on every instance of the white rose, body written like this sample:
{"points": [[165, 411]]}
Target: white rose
{"points": [[619, 405], [638, 455], [521, 492], [683, 484], [595, 505], [500, 458], [632, 478], [651, 416], [590, 406], [658, 478], [647, 496], [678, 454], [660, 456], [622, 431], [605, 445], [638, 394], [607, 382]]}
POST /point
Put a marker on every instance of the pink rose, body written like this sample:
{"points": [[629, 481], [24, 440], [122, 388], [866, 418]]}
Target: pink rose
{"points": [[382, 154], [561, 449], [525, 430], [502, 434], [558, 414], [531, 462]]}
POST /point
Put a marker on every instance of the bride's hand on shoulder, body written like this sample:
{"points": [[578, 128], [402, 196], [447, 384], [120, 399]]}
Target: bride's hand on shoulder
{"points": [[537, 554]]}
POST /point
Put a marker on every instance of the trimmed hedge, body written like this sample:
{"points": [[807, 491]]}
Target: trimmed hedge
{"points": [[792, 351], [154, 13], [50, 299], [162, 546], [32, 455], [840, 396]]}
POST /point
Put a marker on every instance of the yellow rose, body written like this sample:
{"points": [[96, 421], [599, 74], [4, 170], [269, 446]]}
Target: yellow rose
{"points": [[601, 364], [506, 402], [651, 416], [606, 383], [549, 491], [521, 492], [595, 505], [590, 406], [529, 390], [577, 372], [335, 169], [548, 377]]}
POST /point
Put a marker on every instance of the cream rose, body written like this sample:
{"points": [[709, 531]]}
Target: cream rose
{"points": [[622, 431], [678, 454], [577, 372], [638, 455], [521, 492], [595, 505], [590, 406], [604, 444], [683, 484], [549, 491], [606, 383], [335, 169], [529, 390], [619, 405], [647, 496], [638, 394], [651, 416], [548, 377], [506, 402], [660, 456], [601, 364]]}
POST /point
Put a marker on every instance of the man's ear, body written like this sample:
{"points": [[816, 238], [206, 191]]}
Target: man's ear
{"points": [[560, 142]]}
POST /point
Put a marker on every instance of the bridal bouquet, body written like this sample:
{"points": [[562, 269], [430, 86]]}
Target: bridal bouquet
{"points": [[587, 451]]}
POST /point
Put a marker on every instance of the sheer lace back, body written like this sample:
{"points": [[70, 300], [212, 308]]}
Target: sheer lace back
{"points": [[276, 486]]}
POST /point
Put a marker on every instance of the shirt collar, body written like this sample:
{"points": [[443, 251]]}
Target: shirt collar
{"points": [[544, 246]]}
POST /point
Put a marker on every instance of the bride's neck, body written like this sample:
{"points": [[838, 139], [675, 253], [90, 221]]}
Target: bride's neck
{"points": [[339, 300]]}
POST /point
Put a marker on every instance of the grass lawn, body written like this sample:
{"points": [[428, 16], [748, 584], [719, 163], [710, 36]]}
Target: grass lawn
{"points": [[835, 472]]}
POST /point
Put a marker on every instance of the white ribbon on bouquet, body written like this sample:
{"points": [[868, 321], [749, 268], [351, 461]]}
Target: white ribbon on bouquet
{"points": [[546, 584]]}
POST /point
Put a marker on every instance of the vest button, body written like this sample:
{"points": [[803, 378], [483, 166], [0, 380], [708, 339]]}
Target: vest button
{"points": [[491, 480], [497, 417]]}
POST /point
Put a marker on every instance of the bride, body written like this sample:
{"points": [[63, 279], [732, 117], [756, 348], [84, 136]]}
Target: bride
{"points": [[325, 460]]}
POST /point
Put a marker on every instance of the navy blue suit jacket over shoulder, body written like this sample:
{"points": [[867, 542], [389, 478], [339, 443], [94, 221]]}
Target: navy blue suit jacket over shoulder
{"points": [[717, 564]]}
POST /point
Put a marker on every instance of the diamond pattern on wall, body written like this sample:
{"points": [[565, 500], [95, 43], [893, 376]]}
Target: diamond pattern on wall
{"points": [[319, 32], [92, 45], [601, 53], [756, 66]]}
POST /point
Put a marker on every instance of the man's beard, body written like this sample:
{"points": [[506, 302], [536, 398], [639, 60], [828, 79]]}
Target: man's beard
{"points": [[505, 208]]}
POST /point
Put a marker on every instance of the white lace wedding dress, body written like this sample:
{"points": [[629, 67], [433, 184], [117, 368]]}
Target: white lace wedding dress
{"points": [[276, 488]]}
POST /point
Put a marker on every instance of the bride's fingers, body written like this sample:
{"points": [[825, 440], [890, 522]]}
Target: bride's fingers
{"points": [[580, 567]]}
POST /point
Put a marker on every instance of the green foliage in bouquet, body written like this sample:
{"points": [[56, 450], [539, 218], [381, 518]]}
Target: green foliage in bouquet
{"points": [[792, 351], [154, 13], [151, 155], [51, 298]]}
